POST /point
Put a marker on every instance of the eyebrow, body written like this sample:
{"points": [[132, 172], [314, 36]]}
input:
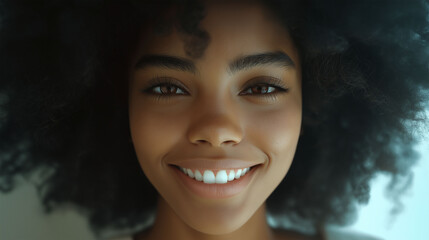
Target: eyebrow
{"points": [[242, 63], [165, 61], [269, 58]]}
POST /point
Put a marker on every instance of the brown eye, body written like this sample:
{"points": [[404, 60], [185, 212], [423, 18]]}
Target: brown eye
{"points": [[167, 89], [164, 87], [262, 89]]}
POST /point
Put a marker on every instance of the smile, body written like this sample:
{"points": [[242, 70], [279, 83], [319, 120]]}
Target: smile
{"points": [[220, 183], [214, 176]]}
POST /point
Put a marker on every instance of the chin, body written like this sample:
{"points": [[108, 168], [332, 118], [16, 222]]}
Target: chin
{"points": [[217, 227], [217, 220]]}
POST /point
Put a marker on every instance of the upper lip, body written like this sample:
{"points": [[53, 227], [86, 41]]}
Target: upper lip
{"points": [[218, 163]]}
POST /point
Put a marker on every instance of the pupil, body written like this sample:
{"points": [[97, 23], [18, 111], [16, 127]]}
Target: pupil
{"points": [[263, 89], [167, 89]]}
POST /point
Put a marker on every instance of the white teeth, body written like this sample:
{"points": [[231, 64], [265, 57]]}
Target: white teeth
{"points": [[190, 173], [221, 176], [198, 176], [231, 175], [238, 174], [209, 177], [244, 171]]}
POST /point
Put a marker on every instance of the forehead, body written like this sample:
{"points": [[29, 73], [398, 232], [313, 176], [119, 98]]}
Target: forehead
{"points": [[234, 28]]}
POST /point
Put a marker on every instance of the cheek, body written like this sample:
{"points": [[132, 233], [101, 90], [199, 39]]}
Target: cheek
{"points": [[153, 134], [277, 134]]}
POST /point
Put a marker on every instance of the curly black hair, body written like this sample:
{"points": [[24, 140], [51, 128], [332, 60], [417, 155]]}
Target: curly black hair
{"points": [[63, 102]]}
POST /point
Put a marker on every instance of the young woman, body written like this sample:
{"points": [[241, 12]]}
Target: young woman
{"points": [[198, 119]]}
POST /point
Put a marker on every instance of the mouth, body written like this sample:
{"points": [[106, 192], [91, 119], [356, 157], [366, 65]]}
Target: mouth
{"points": [[215, 176], [215, 183]]}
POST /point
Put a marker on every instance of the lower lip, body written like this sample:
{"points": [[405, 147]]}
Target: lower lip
{"points": [[225, 190]]}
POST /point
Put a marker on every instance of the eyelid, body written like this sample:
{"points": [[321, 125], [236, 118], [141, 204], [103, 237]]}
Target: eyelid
{"points": [[158, 81], [264, 80], [269, 81]]}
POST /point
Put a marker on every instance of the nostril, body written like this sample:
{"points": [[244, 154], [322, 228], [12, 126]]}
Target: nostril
{"points": [[198, 142], [230, 142]]}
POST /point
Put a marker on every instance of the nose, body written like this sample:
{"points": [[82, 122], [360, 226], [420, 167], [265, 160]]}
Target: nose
{"points": [[215, 126]]}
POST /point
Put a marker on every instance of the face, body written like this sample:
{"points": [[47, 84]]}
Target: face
{"points": [[237, 106]]}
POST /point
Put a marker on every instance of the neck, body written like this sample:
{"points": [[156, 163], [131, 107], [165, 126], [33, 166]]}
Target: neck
{"points": [[169, 226]]}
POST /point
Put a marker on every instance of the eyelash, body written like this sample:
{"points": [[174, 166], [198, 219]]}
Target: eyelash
{"points": [[268, 82]]}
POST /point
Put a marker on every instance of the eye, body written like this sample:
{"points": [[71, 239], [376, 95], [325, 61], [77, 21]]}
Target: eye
{"points": [[263, 89], [260, 87], [165, 87], [171, 89], [168, 89], [265, 86]]}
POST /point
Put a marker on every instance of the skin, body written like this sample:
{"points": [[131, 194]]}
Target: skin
{"points": [[213, 120]]}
